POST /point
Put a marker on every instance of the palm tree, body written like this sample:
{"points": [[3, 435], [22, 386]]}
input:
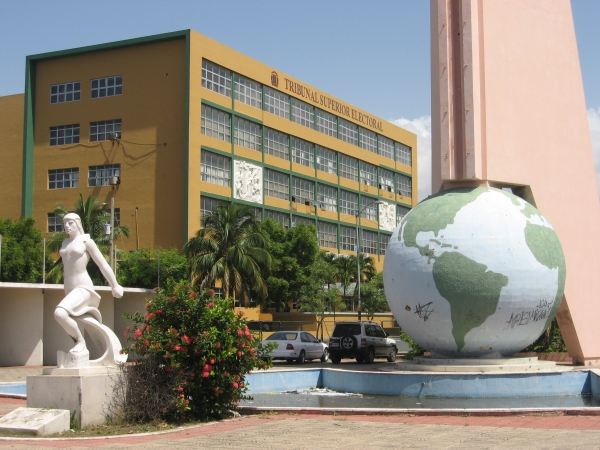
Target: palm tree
{"points": [[232, 250], [94, 216], [346, 271], [367, 268]]}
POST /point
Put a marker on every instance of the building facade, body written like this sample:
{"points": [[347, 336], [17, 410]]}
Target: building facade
{"points": [[174, 124]]}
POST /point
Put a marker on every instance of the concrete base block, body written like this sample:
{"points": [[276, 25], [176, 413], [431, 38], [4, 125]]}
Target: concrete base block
{"points": [[84, 391], [36, 421]]}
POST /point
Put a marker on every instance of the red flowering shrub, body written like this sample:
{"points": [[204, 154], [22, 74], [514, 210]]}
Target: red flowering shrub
{"points": [[202, 340]]}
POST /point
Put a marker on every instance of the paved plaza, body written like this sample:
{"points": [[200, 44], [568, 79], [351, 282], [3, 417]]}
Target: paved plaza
{"points": [[307, 431]]}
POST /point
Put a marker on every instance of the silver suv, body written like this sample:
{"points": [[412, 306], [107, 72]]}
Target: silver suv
{"points": [[364, 341]]}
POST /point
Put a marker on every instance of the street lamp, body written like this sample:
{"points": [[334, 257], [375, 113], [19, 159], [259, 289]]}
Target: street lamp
{"points": [[377, 202]]}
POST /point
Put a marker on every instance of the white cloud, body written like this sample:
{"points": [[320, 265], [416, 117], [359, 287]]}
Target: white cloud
{"points": [[594, 121], [422, 128]]}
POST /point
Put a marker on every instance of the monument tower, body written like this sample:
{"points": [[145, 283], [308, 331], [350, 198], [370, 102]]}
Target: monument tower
{"points": [[508, 110]]}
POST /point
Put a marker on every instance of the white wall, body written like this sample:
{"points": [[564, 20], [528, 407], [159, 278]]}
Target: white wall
{"points": [[29, 335]]}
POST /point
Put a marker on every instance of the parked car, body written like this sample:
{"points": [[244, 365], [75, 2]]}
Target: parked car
{"points": [[364, 341], [298, 346]]}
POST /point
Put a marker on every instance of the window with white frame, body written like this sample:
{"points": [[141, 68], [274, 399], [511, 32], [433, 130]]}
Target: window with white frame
{"points": [[386, 180], [327, 234], [348, 238], [215, 168], [401, 211], [303, 113], [216, 78], [348, 131], [368, 174], [404, 185], [216, 123], [276, 184], [384, 240], [326, 123], [101, 175], [302, 152], [368, 207], [63, 178], [277, 143], [209, 205], [326, 160], [368, 242], [279, 217], [247, 134], [257, 213], [277, 103], [54, 223], [248, 91], [348, 202], [64, 134], [297, 220], [348, 167], [105, 130], [386, 147], [403, 154], [303, 191], [327, 196], [368, 140], [107, 86], [65, 92]]}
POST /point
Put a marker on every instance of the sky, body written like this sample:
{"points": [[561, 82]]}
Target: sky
{"points": [[371, 54]]}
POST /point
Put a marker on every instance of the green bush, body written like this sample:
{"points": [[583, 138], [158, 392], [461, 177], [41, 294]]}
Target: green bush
{"points": [[415, 349], [202, 340], [140, 268], [549, 342]]}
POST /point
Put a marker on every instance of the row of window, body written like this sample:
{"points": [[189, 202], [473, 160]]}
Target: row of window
{"points": [[55, 222], [328, 232], [69, 178], [99, 87], [216, 169], [216, 123], [219, 79], [99, 131]]}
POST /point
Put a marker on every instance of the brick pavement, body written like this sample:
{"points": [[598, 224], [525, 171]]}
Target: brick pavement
{"points": [[358, 432]]}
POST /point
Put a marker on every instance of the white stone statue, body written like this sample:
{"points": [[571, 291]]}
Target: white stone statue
{"points": [[80, 305]]}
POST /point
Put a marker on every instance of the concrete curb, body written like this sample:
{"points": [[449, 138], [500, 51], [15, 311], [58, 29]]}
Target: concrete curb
{"points": [[498, 412]]}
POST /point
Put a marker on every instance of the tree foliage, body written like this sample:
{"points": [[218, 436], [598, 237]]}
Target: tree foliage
{"points": [[140, 268], [294, 251], [317, 295], [372, 296], [94, 216], [232, 250], [22, 250]]}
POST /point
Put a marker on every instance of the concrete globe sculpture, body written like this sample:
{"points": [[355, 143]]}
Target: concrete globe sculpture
{"points": [[474, 272]]}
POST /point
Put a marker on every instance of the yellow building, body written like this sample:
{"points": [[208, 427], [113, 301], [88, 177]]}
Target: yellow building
{"points": [[184, 123]]}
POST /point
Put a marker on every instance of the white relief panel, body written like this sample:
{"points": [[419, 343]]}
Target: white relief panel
{"points": [[387, 216], [248, 184]]}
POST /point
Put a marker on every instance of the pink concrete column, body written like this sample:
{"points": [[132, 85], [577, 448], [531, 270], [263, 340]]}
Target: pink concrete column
{"points": [[508, 110]]}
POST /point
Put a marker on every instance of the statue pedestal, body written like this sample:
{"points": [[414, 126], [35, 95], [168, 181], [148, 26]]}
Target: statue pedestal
{"points": [[85, 391]]}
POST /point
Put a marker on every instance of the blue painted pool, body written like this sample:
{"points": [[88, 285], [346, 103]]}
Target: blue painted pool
{"points": [[13, 388]]}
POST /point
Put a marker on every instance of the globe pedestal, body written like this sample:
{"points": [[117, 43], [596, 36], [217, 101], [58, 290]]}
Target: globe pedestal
{"points": [[456, 365]]}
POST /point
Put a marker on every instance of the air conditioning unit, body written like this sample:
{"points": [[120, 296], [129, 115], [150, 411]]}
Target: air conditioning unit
{"points": [[114, 181], [114, 136]]}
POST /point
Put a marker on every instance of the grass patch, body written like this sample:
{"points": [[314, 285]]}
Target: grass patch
{"points": [[114, 430]]}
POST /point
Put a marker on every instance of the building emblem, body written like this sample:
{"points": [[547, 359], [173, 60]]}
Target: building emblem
{"points": [[274, 79]]}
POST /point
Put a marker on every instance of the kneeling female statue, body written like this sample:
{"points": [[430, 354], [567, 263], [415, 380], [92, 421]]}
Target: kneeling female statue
{"points": [[80, 305]]}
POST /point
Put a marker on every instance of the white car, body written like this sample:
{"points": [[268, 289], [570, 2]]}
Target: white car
{"points": [[298, 346]]}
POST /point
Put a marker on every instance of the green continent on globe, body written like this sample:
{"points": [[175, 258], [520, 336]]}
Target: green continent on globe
{"points": [[436, 213], [545, 246], [472, 291]]}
